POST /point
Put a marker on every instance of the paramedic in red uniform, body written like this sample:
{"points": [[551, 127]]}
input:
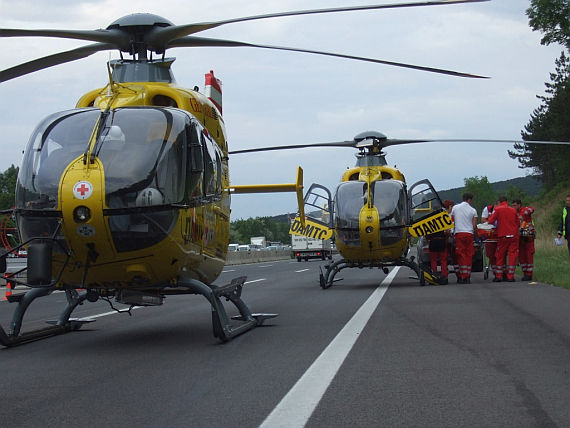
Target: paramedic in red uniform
{"points": [[526, 240], [437, 244], [508, 233], [450, 245], [464, 217], [490, 243]]}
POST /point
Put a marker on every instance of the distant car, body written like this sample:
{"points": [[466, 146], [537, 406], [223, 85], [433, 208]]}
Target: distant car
{"points": [[423, 256], [22, 253]]}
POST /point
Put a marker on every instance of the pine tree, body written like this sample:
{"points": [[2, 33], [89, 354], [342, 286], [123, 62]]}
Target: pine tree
{"points": [[549, 122]]}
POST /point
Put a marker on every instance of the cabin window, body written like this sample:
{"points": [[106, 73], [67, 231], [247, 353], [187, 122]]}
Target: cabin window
{"points": [[195, 165], [212, 168]]}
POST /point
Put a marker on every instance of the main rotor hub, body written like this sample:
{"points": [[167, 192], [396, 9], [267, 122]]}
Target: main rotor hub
{"points": [[137, 27], [140, 20]]}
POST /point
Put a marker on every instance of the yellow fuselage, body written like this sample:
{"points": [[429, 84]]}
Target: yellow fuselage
{"points": [[196, 246], [370, 248]]}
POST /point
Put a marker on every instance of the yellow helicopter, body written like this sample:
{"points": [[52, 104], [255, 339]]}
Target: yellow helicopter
{"points": [[127, 195], [373, 215]]}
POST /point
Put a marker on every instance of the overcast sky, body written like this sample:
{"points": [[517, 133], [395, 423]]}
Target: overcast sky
{"points": [[278, 98]]}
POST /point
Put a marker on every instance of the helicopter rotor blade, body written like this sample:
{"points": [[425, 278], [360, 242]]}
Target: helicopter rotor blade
{"points": [[161, 36], [350, 143], [394, 142], [55, 59], [102, 36], [193, 41], [158, 34]]}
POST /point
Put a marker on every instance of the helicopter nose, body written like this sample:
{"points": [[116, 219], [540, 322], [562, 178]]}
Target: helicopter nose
{"points": [[82, 209], [369, 230]]}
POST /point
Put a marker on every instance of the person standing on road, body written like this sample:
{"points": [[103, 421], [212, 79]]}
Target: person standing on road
{"points": [[491, 239], [564, 229], [508, 225], [464, 217], [437, 244], [526, 239]]}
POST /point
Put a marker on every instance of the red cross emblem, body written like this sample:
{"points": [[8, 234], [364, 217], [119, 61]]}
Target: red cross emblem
{"points": [[82, 190]]}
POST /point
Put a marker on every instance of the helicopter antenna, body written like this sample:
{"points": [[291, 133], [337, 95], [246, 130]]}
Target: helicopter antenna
{"points": [[110, 73]]}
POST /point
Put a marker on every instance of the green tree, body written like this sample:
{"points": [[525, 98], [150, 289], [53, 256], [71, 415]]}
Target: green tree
{"points": [[483, 193], [549, 122], [552, 18], [516, 193], [8, 187], [242, 230]]}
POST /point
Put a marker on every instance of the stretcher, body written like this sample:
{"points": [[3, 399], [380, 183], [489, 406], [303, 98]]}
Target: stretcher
{"points": [[487, 233]]}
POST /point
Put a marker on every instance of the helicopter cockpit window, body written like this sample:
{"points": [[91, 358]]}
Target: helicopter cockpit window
{"points": [[349, 200], [143, 155], [390, 199], [143, 152], [55, 143]]}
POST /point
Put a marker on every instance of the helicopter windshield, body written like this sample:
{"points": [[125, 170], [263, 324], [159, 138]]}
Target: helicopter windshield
{"points": [[389, 199], [142, 151], [57, 140], [349, 200]]}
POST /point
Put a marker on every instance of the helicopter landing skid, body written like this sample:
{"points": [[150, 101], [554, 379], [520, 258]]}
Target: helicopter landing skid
{"points": [[327, 279], [222, 327], [63, 324], [332, 269]]}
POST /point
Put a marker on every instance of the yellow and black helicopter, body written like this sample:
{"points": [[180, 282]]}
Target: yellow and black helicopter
{"points": [[127, 195], [373, 215]]}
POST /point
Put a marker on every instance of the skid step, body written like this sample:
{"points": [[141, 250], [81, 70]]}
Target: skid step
{"points": [[260, 318]]}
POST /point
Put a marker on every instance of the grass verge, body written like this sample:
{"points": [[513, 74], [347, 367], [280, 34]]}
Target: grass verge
{"points": [[551, 263]]}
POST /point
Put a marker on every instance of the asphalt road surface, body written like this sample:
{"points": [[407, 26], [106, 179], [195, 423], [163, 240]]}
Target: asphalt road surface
{"points": [[374, 350]]}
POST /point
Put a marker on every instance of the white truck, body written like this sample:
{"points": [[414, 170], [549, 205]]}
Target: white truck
{"points": [[304, 248], [258, 242]]}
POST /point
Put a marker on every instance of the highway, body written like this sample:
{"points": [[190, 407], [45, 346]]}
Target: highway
{"points": [[374, 350]]}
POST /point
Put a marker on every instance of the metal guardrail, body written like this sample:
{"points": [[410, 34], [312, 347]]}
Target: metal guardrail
{"points": [[242, 257]]}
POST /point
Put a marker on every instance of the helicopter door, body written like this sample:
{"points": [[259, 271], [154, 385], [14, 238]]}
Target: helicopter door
{"points": [[319, 215], [427, 214]]}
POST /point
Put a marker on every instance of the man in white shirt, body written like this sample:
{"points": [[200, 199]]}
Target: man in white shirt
{"points": [[464, 217]]}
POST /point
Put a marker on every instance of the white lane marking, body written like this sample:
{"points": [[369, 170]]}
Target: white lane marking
{"points": [[302, 270], [255, 280], [295, 409], [229, 270], [265, 266]]}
